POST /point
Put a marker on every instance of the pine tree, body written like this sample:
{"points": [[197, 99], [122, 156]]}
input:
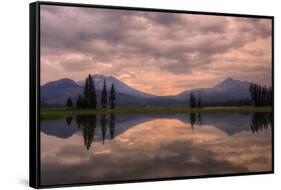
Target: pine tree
{"points": [[199, 103], [69, 103], [104, 96], [252, 92], [90, 97], [270, 96], [112, 97], [260, 95], [79, 103], [92, 102], [86, 93], [192, 101]]}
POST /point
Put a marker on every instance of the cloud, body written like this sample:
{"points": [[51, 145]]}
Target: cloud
{"points": [[117, 42]]}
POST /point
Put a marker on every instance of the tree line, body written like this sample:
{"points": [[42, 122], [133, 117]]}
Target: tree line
{"points": [[89, 98], [260, 95]]}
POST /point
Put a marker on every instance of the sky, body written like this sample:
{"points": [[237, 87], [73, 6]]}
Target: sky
{"points": [[157, 53]]}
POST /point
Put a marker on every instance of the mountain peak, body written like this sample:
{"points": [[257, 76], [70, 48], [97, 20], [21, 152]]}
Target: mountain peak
{"points": [[229, 79], [120, 86], [64, 82], [230, 82]]}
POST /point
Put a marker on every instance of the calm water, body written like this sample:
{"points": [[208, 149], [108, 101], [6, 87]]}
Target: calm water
{"points": [[121, 147]]}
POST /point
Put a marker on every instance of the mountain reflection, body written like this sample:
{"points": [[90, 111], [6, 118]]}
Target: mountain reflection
{"points": [[154, 146], [87, 124]]}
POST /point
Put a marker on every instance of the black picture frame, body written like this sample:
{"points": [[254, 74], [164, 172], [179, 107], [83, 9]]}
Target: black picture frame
{"points": [[34, 98]]}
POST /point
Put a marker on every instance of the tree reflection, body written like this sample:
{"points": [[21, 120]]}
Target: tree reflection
{"points": [[192, 118], [68, 120], [261, 121], [112, 125], [103, 122], [79, 120], [88, 125], [199, 118]]}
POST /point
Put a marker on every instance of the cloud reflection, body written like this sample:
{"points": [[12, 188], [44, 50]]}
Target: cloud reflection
{"points": [[157, 148]]}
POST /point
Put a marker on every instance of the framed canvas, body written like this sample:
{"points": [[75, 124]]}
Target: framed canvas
{"points": [[122, 94]]}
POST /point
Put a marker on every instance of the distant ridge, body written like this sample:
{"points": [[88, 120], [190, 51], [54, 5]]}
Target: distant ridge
{"points": [[227, 90], [55, 93]]}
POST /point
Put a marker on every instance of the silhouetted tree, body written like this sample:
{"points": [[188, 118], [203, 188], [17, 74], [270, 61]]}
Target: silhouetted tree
{"points": [[199, 103], [79, 102], [69, 103], [92, 93], [192, 101], [104, 95], [86, 93], [261, 95], [112, 97], [90, 97]]}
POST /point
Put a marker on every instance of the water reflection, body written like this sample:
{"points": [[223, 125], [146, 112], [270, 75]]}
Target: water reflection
{"points": [[112, 125], [261, 121], [192, 117], [87, 123], [153, 146], [103, 122], [68, 120], [199, 119]]}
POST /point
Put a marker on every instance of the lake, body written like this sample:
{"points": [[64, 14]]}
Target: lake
{"points": [[89, 148]]}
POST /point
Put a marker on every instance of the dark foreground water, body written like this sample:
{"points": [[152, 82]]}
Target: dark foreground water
{"points": [[85, 148]]}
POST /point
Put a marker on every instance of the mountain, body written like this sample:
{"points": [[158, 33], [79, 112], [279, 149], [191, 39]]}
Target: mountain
{"points": [[55, 93], [228, 90], [119, 86]]}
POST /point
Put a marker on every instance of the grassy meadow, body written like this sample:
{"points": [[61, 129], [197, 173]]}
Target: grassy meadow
{"points": [[55, 113]]}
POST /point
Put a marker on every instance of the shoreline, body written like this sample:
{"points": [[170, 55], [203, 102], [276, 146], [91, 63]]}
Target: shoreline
{"points": [[56, 113]]}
